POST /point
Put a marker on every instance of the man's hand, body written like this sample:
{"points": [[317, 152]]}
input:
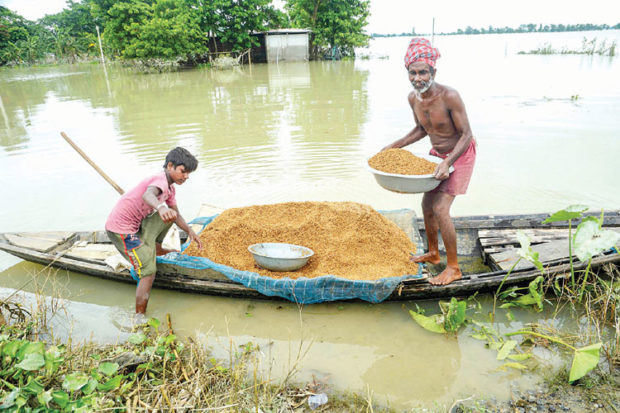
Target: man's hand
{"points": [[191, 235], [390, 146], [442, 171], [167, 214]]}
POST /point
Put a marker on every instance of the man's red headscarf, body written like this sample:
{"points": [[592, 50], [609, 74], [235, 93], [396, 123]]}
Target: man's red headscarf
{"points": [[421, 50]]}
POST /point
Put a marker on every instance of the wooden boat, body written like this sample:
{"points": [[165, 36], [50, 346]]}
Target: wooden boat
{"points": [[487, 251]]}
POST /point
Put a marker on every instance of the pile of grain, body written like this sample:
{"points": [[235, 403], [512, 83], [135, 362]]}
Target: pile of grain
{"points": [[401, 161], [348, 239]]}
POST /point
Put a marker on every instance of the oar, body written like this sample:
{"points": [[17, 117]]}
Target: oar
{"points": [[103, 174]]}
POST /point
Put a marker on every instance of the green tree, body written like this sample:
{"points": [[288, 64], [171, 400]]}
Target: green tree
{"points": [[13, 29], [238, 19], [72, 31], [164, 29], [336, 24]]}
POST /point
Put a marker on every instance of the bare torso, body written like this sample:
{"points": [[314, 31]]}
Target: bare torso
{"points": [[434, 114]]}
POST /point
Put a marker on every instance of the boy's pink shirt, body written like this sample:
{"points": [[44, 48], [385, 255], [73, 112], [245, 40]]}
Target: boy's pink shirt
{"points": [[130, 210]]}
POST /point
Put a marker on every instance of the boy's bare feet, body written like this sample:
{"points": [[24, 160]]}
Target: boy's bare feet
{"points": [[447, 276], [432, 257]]}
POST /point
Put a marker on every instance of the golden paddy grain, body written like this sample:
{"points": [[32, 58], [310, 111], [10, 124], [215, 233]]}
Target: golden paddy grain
{"points": [[349, 240], [401, 161]]}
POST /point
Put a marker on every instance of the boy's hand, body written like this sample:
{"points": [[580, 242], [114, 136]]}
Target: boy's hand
{"points": [[167, 214], [193, 237]]}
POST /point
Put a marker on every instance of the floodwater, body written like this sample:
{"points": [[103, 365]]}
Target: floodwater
{"points": [[547, 132]]}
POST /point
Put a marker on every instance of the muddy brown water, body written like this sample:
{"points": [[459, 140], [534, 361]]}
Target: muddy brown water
{"points": [[546, 128]]}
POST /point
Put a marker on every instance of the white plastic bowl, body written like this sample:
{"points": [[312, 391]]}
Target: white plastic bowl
{"points": [[408, 184], [276, 256]]}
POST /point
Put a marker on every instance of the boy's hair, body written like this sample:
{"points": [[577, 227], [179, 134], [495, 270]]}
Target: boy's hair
{"points": [[181, 156]]}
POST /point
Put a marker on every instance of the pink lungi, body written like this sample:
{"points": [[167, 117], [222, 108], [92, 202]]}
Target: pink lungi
{"points": [[458, 181]]}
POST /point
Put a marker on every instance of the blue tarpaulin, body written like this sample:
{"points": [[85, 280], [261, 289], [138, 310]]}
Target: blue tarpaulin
{"points": [[301, 290]]}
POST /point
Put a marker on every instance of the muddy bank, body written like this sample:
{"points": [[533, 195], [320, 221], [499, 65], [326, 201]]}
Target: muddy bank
{"points": [[596, 396]]}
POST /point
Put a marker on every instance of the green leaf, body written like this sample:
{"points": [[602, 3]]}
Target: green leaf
{"points": [[111, 384], [170, 339], [75, 381], [60, 398], [513, 365], [520, 357], [154, 322], [10, 349], [456, 314], [506, 349], [432, 323], [586, 358], [572, 212], [53, 359], [9, 399], [30, 348], [590, 239], [494, 345], [527, 252], [108, 368], [90, 387], [535, 288], [34, 387], [44, 397], [137, 338], [32, 362], [525, 300]]}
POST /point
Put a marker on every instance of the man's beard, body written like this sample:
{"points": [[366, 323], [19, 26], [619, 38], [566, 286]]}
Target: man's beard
{"points": [[424, 88]]}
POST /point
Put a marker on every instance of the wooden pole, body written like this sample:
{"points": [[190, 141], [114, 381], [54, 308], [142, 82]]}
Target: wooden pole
{"points": [[103, 174], [100, 48]]}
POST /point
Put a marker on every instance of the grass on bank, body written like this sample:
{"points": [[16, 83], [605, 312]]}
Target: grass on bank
{"points": [[152, 371], [588, 47]]}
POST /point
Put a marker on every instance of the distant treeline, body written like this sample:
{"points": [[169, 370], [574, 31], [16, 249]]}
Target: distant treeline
{"points": [[174, 30], [524, 28]]}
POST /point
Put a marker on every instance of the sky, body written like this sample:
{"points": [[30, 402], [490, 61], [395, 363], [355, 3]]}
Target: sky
{"points": [[397, 16]]}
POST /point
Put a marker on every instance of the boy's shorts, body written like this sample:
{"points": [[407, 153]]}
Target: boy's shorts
{"points": [[139, 248]]}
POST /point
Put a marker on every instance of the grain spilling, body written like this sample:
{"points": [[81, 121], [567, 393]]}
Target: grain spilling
{"points": [[349, 240], [401, 161]]}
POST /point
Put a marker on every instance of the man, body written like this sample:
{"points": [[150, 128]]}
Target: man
{"points": [[439, 112]]}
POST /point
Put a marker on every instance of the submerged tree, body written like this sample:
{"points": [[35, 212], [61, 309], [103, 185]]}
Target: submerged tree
{"points": [[337, 25]]}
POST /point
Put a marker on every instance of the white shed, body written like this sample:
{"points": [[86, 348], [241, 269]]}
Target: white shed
{"points": [[290, 45]]}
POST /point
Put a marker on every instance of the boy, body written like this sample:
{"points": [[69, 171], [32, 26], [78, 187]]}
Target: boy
{"points": [[139, 221]]}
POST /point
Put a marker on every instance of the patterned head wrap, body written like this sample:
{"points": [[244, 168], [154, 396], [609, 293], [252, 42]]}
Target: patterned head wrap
{"points": [[421, 50]]}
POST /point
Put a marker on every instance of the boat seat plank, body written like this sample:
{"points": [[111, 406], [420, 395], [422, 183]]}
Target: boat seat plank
{"points": [[494, 237], [92, 251], [43, 244], [548, 251]]}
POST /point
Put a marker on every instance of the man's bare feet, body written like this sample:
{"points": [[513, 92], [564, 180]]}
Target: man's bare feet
{"points": [[447, 276], [432, 257]]}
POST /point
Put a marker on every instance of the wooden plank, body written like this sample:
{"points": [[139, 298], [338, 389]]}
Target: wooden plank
{"points": [[59, 236], [92, 251], [490, 238], [548, 251], [38, 244], [611, 218]]}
